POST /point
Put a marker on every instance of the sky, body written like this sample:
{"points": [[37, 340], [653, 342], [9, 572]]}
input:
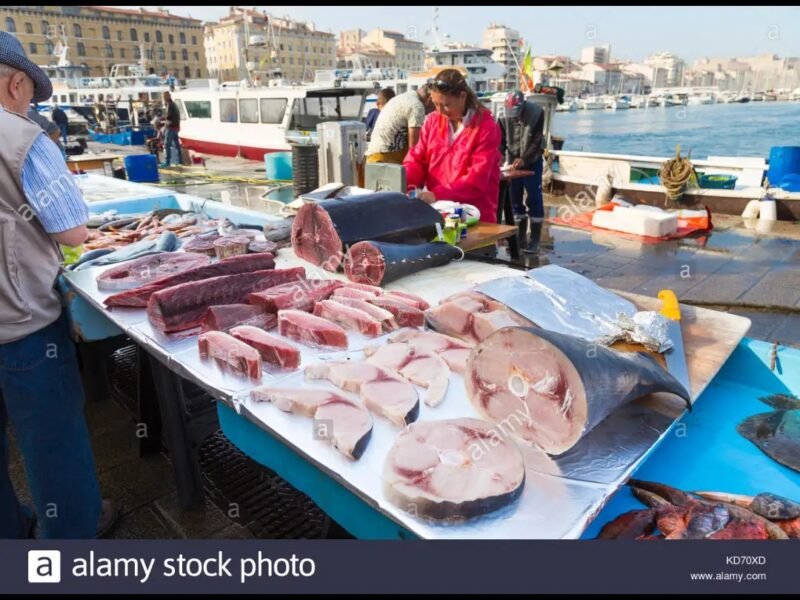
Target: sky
{"points": [[633, 32]]}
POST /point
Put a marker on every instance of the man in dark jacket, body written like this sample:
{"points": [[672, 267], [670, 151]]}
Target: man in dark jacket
{"points": [[522, 146], [171, 140]]}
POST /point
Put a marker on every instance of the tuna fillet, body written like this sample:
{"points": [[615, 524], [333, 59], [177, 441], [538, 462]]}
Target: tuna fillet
{"points": [[453, 469], [409, 299], [347, 291], [349, 318], [226, 349], [405, 314], [231, 266], [551, 389], [183, 306], [383, 391], [311, 330], [300, 295], [144, 270], [346, 424], [272, 349], [385, 317], [225, 316]]}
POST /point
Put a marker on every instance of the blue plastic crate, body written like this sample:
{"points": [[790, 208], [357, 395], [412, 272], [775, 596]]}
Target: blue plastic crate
{"points": [[142, 168]]}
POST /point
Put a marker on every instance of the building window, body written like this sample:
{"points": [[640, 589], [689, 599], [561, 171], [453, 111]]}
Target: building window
{"points": [[290, 47], [187, 72], [197, 56], [159, 38], [81, 49], [161, 54], [137, 53], [49, 46], [182, 37], [194, 40], [227, 111], [174, 55], [119, 35], [146, 36], [134, 36], [185, 54], [106, 32], [109, 51], [32, 48], [28, 28], [11, 27], [171, 38], [272, 110], [199, 74], [291, 60], [281, 46], [45, 27], [122, 52], [76, 30]]}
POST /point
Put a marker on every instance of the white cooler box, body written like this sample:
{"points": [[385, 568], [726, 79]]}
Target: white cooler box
{"points": [[643, 220]]}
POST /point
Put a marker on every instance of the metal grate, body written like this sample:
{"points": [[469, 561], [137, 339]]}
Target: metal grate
{"points": [[267, 505], [123, 377]]}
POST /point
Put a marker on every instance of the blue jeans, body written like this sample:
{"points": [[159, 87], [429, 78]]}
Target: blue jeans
{"points": [[533, 185], [170, 140], [41, 395], [63, 129]]}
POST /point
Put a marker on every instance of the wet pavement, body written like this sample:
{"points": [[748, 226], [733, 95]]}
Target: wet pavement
{"points": [[734, 268]]}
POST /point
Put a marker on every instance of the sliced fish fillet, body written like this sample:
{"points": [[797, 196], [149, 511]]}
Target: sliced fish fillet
{"points": [[453, 351], [348, 317], [420, 367]]}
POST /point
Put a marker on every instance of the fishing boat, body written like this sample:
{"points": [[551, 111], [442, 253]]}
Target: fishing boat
{"points": [[730, 183], [617, 102], [250, 121], [592, 103]]}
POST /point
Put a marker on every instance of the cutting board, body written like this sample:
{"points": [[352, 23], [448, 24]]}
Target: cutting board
{"points": [[709, 337]]}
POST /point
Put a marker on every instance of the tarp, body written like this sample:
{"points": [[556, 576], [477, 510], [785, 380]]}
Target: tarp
{"points": [[689, 222], [123, 138]]}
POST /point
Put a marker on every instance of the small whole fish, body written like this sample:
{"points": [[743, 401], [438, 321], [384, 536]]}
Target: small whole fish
{"points": [[777, 434], [166, 242], [781, 401]]}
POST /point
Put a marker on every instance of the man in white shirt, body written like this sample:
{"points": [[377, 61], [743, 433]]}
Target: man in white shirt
{"points": [[398, 126]]}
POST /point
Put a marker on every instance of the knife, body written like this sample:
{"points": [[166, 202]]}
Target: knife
{"points": [[675, 356]]}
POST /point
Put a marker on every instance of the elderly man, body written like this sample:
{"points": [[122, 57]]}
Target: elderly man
{"points": [[40, 386], [522, 147]]}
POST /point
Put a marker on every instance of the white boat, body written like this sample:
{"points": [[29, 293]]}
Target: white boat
{"points": [[701, 99], [569, 105], [248, 122], [617, 102], [592, 103], [481, 68]]}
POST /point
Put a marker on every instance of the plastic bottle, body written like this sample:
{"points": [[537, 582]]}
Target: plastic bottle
{"points": [[768, 209]]}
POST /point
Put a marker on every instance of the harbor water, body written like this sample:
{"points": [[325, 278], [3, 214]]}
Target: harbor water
{"points": [[707, 130]]}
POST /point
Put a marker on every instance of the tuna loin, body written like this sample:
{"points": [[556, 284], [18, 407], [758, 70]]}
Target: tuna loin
{"points": [[420, 367], [300, 295], [311, 330], [182, 306], [453, 351], [322, 230], [239, 356], [225, 316], [383, 391], [148, 268], [348, 423], [272, 349], [405, 314], [379, 314], [349, 318], [231, 266], [557, 387], [379, 263], [452, 469]]}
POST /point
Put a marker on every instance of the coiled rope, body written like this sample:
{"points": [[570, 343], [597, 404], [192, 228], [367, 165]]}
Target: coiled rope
{"points": [[677, 175]]}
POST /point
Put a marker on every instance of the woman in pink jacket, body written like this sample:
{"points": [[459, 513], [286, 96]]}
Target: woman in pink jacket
{"points": [[458, 154]]}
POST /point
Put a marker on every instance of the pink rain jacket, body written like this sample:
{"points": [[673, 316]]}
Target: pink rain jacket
{"points": [[468, 171]]}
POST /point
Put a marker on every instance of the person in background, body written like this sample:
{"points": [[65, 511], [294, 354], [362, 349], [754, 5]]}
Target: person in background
{"points": [[156, 143], [171, 139], [60, 119], [398, 126], [522, 146], [51, 129], [384, 96], [457, 157], [41, 394]]}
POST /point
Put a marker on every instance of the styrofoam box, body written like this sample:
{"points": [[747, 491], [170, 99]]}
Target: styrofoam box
{"points": [[649, 221]]}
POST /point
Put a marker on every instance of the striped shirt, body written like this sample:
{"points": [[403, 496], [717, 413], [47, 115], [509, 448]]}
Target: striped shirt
{"points": [[50, 188]]}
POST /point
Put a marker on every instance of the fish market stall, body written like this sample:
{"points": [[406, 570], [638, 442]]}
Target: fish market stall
{"points": [[370, 378]]}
